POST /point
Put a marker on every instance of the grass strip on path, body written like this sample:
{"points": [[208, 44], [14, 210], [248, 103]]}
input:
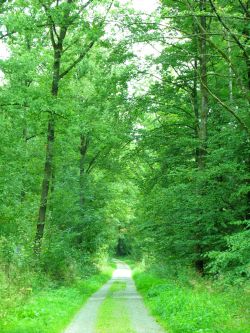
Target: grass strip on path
{"points": [[113, 315], [49, 311]]}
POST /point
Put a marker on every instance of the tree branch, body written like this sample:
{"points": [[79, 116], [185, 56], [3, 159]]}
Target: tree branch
{"points": [[2, 36], [87, 4], [230, 32], [80, 57], [34, 136], [230, 110], [52, 25], [92, 162], [244, 7]]}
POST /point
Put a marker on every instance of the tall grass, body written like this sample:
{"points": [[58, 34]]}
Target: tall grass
{"points": [[48, 310], [194, 305]]}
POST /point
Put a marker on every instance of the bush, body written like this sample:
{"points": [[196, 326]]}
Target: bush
{"points": [[233, 264]]}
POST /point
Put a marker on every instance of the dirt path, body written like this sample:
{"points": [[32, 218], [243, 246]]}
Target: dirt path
{"points": [[85, 321]]}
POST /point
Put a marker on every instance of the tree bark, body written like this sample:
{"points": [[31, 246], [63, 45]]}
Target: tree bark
{"points": [[203, 89], [247, 60], [84, 143], [195, 98], [45, 184], [230, 70], [48, 165], [202, 114]]}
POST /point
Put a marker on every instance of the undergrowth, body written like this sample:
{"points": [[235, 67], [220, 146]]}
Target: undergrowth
{"points": [[191, 304], [47, 309]]}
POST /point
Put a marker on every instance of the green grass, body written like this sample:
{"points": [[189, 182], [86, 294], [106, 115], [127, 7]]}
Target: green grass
{"points": [[50, 310], [194, 307], [116, 287], [113, 316]]}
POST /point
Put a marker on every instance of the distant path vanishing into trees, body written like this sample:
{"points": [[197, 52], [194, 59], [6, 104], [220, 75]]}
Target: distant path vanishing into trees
{"points": [[115, 308]]}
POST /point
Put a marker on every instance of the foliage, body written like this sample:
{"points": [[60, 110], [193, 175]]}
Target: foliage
{"points": [[193, 145], [32, 313], [192, 305], [123, 133]]}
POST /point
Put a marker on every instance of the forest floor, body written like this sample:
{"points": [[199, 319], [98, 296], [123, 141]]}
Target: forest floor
{"points": [[115, 308]]}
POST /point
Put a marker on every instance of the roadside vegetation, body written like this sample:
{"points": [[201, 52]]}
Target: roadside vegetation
{"points": [[184, 302], [48, 307]]}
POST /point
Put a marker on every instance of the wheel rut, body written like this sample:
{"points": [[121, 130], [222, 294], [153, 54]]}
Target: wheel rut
{"points": [[132, 303]]}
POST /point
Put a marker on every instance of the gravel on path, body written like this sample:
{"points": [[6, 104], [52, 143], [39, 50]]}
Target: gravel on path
{"points": [[141, 320], [85, 320]]}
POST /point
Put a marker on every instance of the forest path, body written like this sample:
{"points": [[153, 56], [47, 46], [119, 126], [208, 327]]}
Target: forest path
{"points": [[130, 302]]}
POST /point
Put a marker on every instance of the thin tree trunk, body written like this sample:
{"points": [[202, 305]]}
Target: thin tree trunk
{"points": [[83, 150], [203, 90], [22, 194], [196, 104], [230, 70], [247, 60], [246, 32], [202, 114]]}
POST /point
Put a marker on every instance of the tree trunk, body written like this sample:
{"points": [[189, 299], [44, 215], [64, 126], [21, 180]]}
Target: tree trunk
{"points": [[57, 35], [45, 184], [196, 106], [246, 32], [201, 114], [203, 87], [48, 166], [83, 150], [22, 194], [230, 70]]}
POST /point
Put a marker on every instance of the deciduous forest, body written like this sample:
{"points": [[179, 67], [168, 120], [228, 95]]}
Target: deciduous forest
{"points": [[125, 133]]}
